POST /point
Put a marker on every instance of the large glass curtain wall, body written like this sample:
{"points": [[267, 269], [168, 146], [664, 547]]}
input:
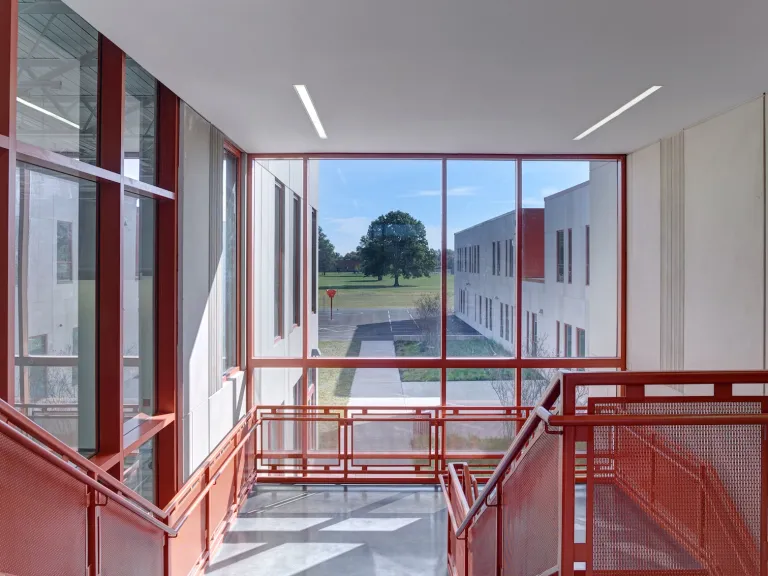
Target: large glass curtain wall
{"points": [[88, 183], [451, 281]]}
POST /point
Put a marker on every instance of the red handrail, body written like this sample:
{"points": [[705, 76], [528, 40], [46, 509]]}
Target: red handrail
{"points": [[10, 414], [526, 432], [81, 476]]}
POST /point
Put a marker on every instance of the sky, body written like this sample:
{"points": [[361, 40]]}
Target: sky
{"points": [[355, 192]]}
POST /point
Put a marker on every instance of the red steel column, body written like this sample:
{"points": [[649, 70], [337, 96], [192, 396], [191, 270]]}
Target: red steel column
{"points": [[9, 28], [110, 253], [519, 282], [441, 439], [167, 294]]}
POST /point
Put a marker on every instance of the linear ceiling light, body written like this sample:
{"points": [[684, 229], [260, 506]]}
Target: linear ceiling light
{"points": [[621, 110], [301, 90], [46, 112]]}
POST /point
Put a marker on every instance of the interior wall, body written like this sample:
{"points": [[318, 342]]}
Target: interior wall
{"points": [[211, 405], [696, 247]]}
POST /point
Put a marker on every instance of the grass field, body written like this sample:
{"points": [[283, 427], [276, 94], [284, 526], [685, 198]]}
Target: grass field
{"points": [[357, 291], [336, 383], [480, 347]]}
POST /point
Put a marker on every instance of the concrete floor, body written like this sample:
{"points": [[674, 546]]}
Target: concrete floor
{"points": [[325, 531]]}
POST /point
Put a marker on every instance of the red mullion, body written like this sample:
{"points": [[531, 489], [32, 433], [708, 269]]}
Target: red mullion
{"points": [[9, 26], [431, 156], [444, 283], [249, 230], [622, 335], [167, 370], [111, 114], [519, 280]]}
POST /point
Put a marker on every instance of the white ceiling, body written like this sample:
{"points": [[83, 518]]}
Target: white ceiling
{"points": [[495, 76]]}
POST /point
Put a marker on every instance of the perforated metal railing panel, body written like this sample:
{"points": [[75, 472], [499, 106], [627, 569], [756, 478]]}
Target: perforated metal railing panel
{"points": [[531, 511], [671, 498], [43, 516], [482, 538], [129, 546]]}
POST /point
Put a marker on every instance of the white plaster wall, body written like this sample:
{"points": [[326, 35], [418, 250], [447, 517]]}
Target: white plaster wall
{"points": [[207, 417], [724, 251], [724, 258], [643, 254]]}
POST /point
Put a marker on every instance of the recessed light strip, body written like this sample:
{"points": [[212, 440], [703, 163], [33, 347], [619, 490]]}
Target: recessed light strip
{"points": [[46, 112], [301, 90], [621, 110]]}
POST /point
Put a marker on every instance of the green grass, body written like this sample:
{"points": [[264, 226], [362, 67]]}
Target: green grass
{"points": [[476, 347], [358, 291], [336, 383]]}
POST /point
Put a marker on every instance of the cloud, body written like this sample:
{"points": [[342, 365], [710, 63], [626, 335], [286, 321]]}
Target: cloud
{"points": [[341, 176], [455, 191]]}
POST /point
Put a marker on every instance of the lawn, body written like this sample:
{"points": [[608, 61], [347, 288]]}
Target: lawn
{"points": [[358, 291], [336, 383], [476, 347]]}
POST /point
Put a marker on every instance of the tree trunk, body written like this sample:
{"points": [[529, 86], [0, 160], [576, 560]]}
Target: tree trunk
{"points": [[380, 278], [397, 281]]}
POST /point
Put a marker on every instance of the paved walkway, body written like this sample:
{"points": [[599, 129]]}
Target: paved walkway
{"points": [[377, 386]]}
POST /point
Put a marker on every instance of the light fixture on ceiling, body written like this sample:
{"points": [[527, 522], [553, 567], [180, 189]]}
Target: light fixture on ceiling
{"points": [[621, 110], [46, 112], [303, 93]]}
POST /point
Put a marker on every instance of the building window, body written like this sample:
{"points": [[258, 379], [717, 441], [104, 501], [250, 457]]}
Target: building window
{"points": [[480, 310], [507, 320], [140, 127], [568, 340], [586, 253], [493, 257], [314, 261], [534, 335], [63, 252], [501, 320], [230, 246], [498, 258], [296, 261], [581, 343], [570, 255], [557, 338], [490, 314], [527, 331], [560, 255], [279, 255]]}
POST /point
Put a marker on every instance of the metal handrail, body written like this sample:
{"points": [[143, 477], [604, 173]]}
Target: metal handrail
{"points": [[81, 476], [69, 456], [526, 432]]}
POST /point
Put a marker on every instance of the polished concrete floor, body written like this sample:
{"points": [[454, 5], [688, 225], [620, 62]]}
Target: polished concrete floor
{"points": [[325, 531]]}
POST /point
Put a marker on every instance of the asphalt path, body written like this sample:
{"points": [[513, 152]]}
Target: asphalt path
{"points": [[378, 324]]}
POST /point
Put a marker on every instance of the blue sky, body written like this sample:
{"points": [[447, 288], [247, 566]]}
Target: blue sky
{"points": [[355, 192]]}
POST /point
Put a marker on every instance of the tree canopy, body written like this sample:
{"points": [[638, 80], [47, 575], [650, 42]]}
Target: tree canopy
{"points": [[396, 244], [326, 253]]}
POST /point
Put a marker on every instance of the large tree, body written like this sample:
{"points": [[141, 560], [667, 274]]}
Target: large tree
{"points": [[326, 252], [396, 244]]}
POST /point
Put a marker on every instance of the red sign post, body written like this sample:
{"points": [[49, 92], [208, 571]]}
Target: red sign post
{"points": [[331, 293]]}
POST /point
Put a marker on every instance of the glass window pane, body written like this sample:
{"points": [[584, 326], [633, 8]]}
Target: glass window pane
{"points": [[481, 225], [57, 79], [140, 126], [570, 258], [138, 306], [379, 258], [56, 303], [139, 470], [229, 261]]}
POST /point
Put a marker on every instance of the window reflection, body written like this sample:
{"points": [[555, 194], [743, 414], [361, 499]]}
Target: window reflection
{"points": [[55, 303], [138, 306], [57, 79], [140, 126]]}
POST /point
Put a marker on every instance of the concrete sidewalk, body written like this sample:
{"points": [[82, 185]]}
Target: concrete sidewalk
{"points": [[377, 386]]}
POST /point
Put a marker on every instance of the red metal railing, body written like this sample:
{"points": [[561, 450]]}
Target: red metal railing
{"points": [[388, 444], [648, 483], [109, 528]]}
